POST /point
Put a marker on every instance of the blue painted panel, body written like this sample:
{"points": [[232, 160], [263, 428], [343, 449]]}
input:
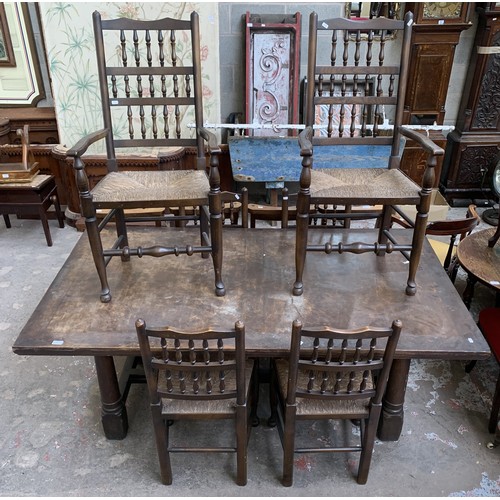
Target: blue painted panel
{"points": [[277, 159]]}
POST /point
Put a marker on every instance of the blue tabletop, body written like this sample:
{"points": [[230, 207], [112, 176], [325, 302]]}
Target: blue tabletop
{"points": [[277, 159]]}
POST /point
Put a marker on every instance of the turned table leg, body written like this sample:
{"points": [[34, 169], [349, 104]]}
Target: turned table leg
{"points": [[391, 420], [113, 410], [469, 290]]}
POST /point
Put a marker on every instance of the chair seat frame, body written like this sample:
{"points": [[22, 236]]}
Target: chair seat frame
{"points": [[386, 242], [209, 214]]}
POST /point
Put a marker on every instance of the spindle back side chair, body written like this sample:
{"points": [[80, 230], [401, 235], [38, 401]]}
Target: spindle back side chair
{"points": [[332, 374], [197, 376]]}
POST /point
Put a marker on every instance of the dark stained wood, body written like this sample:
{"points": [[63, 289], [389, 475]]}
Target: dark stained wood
{"points": [[480, 261], [197, 375], [70, 319], [34, 197], [351, 91], [151, 94], [332, 375], [473, 146]]}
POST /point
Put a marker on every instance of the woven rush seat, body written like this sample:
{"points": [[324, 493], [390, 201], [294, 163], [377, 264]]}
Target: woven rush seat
{"points": [[309, 406], [131, 187], [363, 185]]}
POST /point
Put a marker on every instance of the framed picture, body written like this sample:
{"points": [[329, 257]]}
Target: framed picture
{"points": [[6, 51]]}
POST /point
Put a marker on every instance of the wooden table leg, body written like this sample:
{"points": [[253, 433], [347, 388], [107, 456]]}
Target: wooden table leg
{"points": [[469, 290], [113, 410], [45, 224], [391, 420]]}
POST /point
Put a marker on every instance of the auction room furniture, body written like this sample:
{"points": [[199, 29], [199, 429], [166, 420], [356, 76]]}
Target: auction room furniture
{"points": [[354, 92], [473, 147], [435, 35], [188, 382], [318, 383], [260, 272], [480, 262], [31, 198], [272, 55], [144, 101], [446, 251]]}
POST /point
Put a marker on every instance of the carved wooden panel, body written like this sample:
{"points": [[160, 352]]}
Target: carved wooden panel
{"points": [[272, 71], [473, 148], [486, 115]]}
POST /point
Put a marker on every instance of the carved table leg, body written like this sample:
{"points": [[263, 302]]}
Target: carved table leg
{"points": [[391, 420], [113, 411], [469, 290]]}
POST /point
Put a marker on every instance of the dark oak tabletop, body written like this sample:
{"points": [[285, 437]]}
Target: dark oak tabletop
{"points": [[344, 291]]}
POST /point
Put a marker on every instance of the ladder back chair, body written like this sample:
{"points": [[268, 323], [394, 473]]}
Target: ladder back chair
{"points": [[334, 375], [357, 99], [151, 87], [197, 376]]}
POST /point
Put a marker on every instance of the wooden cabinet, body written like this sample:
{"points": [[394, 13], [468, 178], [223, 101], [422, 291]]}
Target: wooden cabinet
{"points": [[414, 159], [473, 148], [435, 35]]}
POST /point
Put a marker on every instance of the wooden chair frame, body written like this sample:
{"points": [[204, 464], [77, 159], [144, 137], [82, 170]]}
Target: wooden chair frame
{"points": [[322, 380], [161, 103], [200, 375], [409, 192]]}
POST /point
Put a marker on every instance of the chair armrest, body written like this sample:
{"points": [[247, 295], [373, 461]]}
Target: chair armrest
{"points": [[213, 146], [83, 144], [422, 141], [305, 142]]}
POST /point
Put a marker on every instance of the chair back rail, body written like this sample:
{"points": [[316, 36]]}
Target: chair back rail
{"points": [[152, 84], [352, 91]]}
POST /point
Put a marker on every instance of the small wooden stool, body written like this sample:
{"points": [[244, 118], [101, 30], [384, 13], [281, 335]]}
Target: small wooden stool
{"points": [[31, 197]]}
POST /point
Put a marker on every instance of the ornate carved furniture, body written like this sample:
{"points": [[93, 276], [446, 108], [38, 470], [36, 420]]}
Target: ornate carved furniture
{"points": [[495, 182], [473, 148], [272, 71], [199, 375], [31, 198], [144, 101], [435, 35], [333, 374], [366, 160], [430, 330]]}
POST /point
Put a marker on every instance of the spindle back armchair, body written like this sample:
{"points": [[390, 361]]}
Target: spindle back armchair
{"points": [[151, 88], [353, 111]]}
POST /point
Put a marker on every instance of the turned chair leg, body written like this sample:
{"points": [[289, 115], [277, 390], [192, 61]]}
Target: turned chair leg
{"points": [[98, 256]]}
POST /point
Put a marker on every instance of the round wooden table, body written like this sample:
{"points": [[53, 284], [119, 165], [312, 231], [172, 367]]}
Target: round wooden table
{"points": [[481, 262]]}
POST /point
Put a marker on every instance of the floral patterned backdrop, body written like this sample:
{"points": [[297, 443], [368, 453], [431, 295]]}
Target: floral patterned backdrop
{"points": [[72, 62]]}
